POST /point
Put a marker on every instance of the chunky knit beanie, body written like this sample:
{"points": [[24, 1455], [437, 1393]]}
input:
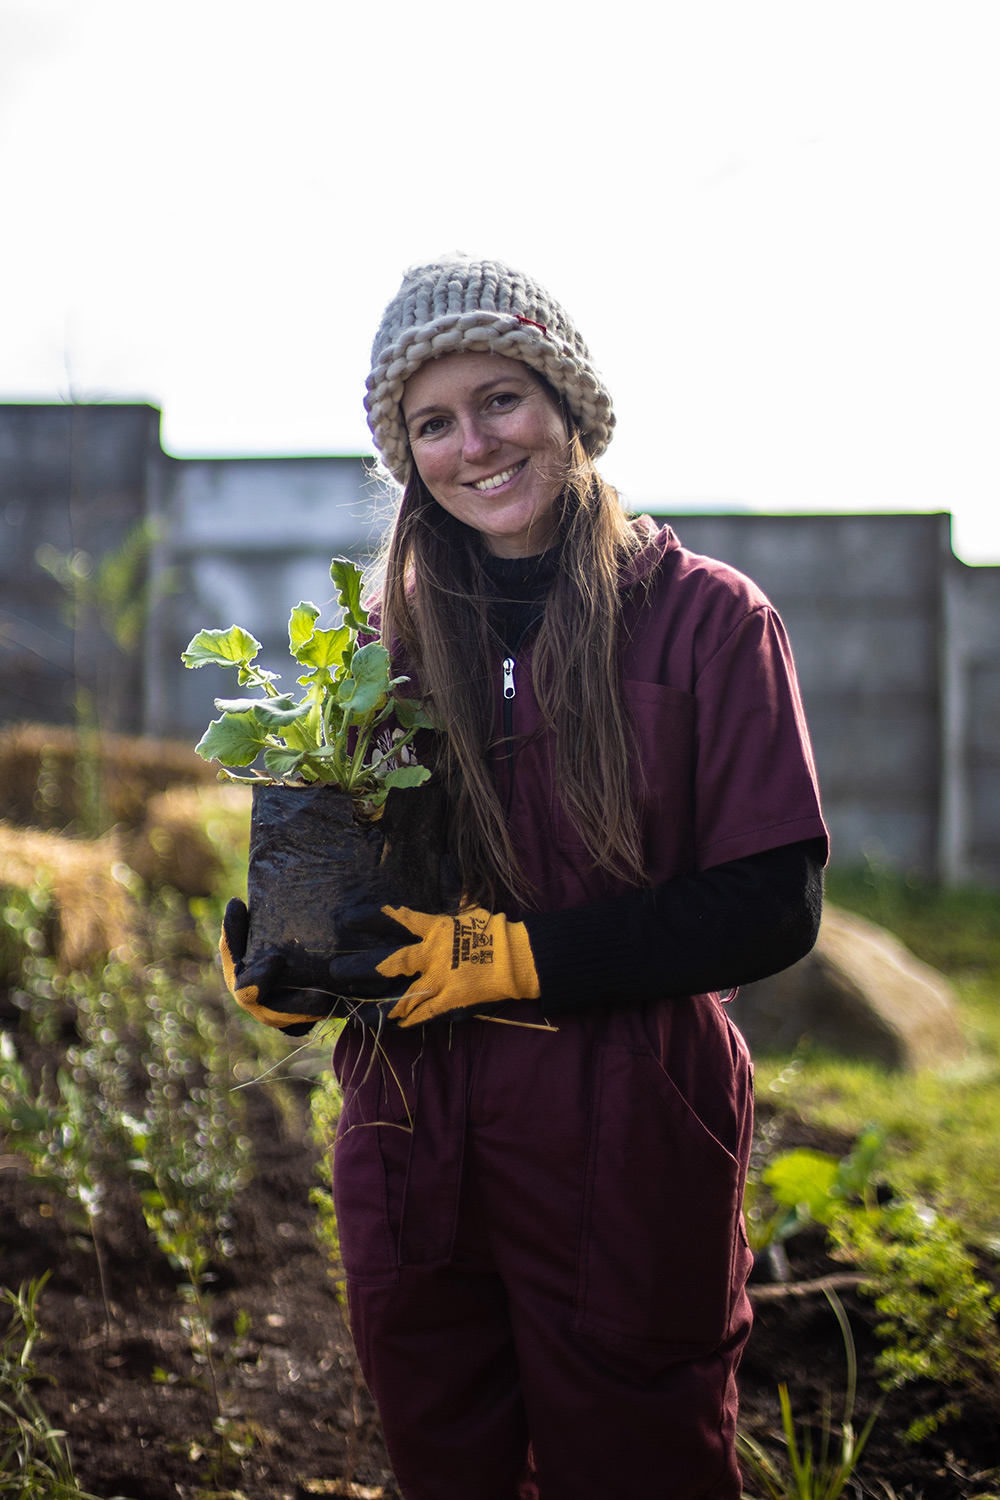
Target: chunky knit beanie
{"points": [[478, 306]]}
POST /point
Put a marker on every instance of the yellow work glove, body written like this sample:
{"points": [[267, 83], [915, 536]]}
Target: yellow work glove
{"points": [[476, 958]]}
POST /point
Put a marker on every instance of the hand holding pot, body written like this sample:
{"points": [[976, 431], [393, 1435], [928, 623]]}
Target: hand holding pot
{"points": [[452, 962], [257, 986]]}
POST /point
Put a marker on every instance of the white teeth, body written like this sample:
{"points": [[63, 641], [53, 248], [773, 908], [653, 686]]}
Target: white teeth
{"points": [[496, 479]]}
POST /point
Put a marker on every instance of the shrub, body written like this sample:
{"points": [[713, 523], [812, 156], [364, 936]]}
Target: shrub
{"points": [[939, 1315]]}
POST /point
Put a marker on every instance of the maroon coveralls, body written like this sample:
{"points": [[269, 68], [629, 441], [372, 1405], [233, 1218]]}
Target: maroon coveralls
{"points": [[542, 1230]]}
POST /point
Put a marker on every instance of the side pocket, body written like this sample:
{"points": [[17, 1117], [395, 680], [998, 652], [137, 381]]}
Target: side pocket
{"points": [[370, 1159], [662, 1227]]}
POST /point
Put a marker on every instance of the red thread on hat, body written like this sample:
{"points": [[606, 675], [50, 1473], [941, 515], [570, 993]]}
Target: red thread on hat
{"points": [[533, 323]]}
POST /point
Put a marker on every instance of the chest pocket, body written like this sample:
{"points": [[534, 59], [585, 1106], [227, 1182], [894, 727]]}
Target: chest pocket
{"points": [[663, 724]]}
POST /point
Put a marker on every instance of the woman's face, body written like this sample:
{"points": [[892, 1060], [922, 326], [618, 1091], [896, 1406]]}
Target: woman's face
{"points": [[488, 442]]}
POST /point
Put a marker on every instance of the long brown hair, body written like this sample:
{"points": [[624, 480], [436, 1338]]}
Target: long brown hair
{"points": [[435, 611]]}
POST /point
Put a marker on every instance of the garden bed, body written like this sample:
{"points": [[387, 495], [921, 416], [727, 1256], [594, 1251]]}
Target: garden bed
{"points": [[140, 1411], [138, 1408], [127, 1376]]}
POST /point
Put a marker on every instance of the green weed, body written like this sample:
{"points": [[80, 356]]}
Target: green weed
{"points": [[27, 967], [146, 1090], [223, 1452], [35, 1463], [807, 1468], [942, 1139], [188, 1148], [111, 594], [942, 1128]]}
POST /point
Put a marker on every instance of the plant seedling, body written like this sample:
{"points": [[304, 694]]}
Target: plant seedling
{"points": [[330, 734], [812, 1187]]}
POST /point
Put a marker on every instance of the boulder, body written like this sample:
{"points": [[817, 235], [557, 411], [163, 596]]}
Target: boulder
{"points": [[860, 993]]}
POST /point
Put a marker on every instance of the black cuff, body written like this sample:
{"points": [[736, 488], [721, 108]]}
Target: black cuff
{"points": [[724, 927]]}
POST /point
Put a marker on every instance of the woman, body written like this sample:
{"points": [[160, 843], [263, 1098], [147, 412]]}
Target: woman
{"points": [[540, 1208]]}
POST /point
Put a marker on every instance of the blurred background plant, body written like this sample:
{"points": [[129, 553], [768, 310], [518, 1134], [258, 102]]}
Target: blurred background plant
{"points": [[112, 594]]}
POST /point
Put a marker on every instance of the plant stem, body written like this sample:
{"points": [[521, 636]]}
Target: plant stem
{"points": [[207, 1334], [358, 758], [102, 1275]]}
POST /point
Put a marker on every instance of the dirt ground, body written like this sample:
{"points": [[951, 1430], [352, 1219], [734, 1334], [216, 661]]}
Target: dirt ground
{"points": [[140, 1411]]}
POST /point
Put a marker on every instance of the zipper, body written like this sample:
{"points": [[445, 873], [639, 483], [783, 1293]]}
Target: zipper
{"points": [[509, 694], [509, 691]]}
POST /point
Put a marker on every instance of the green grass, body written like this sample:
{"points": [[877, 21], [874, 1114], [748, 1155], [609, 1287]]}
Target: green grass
{"points": [[943, 1127], [35, 1462], [957, 930]]}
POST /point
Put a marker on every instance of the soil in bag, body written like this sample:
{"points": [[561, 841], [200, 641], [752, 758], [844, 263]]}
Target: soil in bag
{"points": [[309, 858]]}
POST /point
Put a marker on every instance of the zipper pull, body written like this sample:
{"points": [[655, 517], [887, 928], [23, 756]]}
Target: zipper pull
{"points": [[508, 677]]}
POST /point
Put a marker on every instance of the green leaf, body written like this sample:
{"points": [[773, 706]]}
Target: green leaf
{"points": [[223, 648], [412, 714], [301, 624], [804, 1179], [324, 648], [256, 676], [235, 740], [349, 580], [22, 1116], [281, 763], [305, 732], [368, 680], [270, 713], [856, 1171], [407, 776]]}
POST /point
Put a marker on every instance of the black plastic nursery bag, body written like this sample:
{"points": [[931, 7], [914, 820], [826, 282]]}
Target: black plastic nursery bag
{"points": [[309, 859]]}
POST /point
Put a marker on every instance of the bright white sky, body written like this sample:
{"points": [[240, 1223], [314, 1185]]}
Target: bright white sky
{"points": [[776, 223]]}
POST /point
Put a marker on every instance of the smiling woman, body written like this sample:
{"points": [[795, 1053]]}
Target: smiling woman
{"points": [[540, 1209], [490, 444]]}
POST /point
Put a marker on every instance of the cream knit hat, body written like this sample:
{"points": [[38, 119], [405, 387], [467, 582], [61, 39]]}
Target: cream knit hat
{"points": [[478, 305]]}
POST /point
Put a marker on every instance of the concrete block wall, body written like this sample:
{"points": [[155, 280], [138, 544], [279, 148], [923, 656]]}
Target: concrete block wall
{"points": [[970, 668], [897, 642], [74, 477], [861, 596], [244, 541]]}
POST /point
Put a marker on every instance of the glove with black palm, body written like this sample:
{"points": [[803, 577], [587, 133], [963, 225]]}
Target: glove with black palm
{"points": [[258, 987], [432, 965]]}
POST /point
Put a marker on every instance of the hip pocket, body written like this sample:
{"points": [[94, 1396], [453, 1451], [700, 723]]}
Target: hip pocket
{"points": [[370, 1160], [663, 1252]]}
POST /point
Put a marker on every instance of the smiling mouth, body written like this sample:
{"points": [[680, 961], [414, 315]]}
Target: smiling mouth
{"points": [[496, 480]]}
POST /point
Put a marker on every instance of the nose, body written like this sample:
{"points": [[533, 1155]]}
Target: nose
{"points": [[478, 439]]}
